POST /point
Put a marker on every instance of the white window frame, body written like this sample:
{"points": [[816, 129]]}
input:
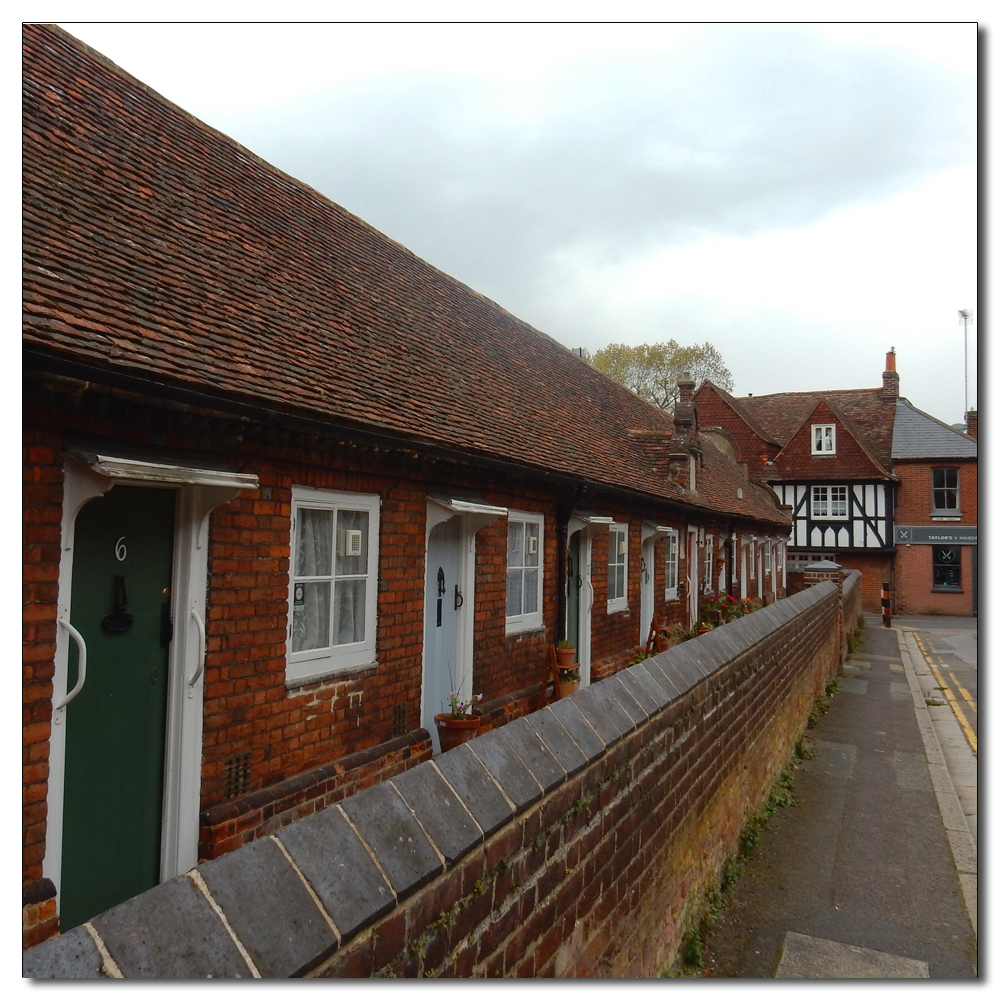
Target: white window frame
{"points": [[828, 503], [619, 559], [709, 563], [671, 568], [824, 439], [534, 619], [308, 665], [767, 558]]}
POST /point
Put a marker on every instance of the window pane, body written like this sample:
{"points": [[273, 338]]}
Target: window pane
{"points": [[311, 616], [514, 584], [349, 612], [352, 534], [314, 543], [530, 591], [515, 544], [619, 581]]}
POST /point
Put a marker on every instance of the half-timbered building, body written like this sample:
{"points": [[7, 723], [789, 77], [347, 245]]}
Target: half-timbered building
{"points": [[841, 462]]}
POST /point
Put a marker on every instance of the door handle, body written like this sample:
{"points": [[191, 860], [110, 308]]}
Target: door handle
{"points": [[459, 599], [81, 665], [200, 666]]}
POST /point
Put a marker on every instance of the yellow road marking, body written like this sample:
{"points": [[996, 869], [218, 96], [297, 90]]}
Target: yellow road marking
{"points": [[956, 708], [965, 694], [970, 734]]}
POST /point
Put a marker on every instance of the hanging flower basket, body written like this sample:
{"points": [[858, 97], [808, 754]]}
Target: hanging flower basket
{"points": [[454, 732]]}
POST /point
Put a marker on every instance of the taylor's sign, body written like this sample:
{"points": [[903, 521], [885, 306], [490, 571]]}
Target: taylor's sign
{"points": [[925, 534]]}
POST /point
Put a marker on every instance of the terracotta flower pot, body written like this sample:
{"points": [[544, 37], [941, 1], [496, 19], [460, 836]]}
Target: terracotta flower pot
{"points": [[565, 688], [565, 657], [454, 732]]}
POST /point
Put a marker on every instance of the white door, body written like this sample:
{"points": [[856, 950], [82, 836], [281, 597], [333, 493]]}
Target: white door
{"points": [[692, 575], [743, 572], [444, 607], [648, 570]]}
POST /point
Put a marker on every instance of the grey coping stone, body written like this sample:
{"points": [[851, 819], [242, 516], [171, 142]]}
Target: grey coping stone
{"points": [[269, 908], [439, 811], [573, 721], [72, 955], [465, 772], [537, 757], [603, 694], [643, 688], [510, 772], [630, 698], [387, 826], [170, 932], [654, 665], [554, 735], [339, 868], [680, 669], [594, 710]]}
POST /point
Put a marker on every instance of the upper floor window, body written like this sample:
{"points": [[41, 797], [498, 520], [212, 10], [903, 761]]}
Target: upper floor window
{"points": [[618, 567], [524, 571], [824, 439], [829, 502], [671, 548], [944, 489], [332, 585]]}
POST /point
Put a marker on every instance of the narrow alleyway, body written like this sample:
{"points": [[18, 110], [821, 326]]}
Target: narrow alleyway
{"points": [[860, 879]]}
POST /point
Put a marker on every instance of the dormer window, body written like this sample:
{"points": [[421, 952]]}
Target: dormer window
{"points": [[824, 439]]}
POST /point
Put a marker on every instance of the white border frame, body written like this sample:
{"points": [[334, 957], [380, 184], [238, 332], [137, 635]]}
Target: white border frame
{"points": [[617, 604], [308, 665], [198, 493], [812, 439], [515, 624]]}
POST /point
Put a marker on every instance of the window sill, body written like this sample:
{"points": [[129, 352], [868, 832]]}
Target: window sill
{"points": [[824, 454], [617, 606], [515, 630], [947, 590], [291, 683]]}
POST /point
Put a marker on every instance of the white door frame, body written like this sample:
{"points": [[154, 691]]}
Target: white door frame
{"points": [[588, 525], [472, 516], [198, 493], [651, 534], [692, 574]]}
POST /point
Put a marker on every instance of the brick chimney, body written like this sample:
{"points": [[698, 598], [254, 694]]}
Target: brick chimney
{"points": [[685, 387], [890, 379], [684, 450], [972, 424]]}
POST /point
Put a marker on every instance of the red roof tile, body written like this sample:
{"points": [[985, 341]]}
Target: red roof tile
{"points": [[157, 246]]}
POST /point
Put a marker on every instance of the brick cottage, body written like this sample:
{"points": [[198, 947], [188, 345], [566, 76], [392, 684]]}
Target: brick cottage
{"points": [[286, 486]]}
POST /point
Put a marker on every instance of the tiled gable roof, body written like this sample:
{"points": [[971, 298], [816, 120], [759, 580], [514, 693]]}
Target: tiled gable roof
{"points": [[919, 435], [871, 413], [740, 410], [158, 247], [853, 459]]}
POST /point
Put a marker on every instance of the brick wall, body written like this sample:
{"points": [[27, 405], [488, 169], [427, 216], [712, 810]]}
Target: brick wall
{"points": [[914, 498], [915, 577], [579, 841], [303, 743], [875, 568]]}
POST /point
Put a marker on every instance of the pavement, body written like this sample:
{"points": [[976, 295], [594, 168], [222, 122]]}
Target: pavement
{"points": [[872, 874]]}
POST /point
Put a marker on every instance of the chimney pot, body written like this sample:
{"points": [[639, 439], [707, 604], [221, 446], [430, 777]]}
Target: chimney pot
{"points": [[890, 377]]}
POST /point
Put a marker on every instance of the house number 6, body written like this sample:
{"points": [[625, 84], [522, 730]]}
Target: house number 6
{"points": [[120, 550]]}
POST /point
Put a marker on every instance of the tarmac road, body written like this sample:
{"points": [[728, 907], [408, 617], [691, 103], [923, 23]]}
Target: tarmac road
{"points": [[872, 874]]}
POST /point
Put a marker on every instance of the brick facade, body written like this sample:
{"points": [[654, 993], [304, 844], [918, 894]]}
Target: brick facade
{"points": [[598, 873]]}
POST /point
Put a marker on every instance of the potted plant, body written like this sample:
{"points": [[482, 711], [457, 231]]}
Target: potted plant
{"points": [[458, 725], [704, 627], [567, 680], [565, 653]]}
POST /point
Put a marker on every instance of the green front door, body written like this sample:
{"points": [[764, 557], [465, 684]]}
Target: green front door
{"points": [[115, 727]]}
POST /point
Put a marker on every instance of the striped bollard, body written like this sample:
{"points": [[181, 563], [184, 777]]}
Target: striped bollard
{"points": [[886, 610]]}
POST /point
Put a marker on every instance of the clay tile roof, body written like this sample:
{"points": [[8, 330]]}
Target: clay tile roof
{"points": [[154, 245], [870, 414], [744, 413]]}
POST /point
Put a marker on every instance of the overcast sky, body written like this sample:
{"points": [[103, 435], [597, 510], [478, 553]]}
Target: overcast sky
{"points": [[802, 196]]}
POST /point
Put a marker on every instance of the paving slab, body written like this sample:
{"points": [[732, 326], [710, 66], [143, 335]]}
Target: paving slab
{"points": [[805, 957]]}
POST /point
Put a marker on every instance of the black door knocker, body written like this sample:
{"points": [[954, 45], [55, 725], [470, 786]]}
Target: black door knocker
{"points": [[119, 620]]}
